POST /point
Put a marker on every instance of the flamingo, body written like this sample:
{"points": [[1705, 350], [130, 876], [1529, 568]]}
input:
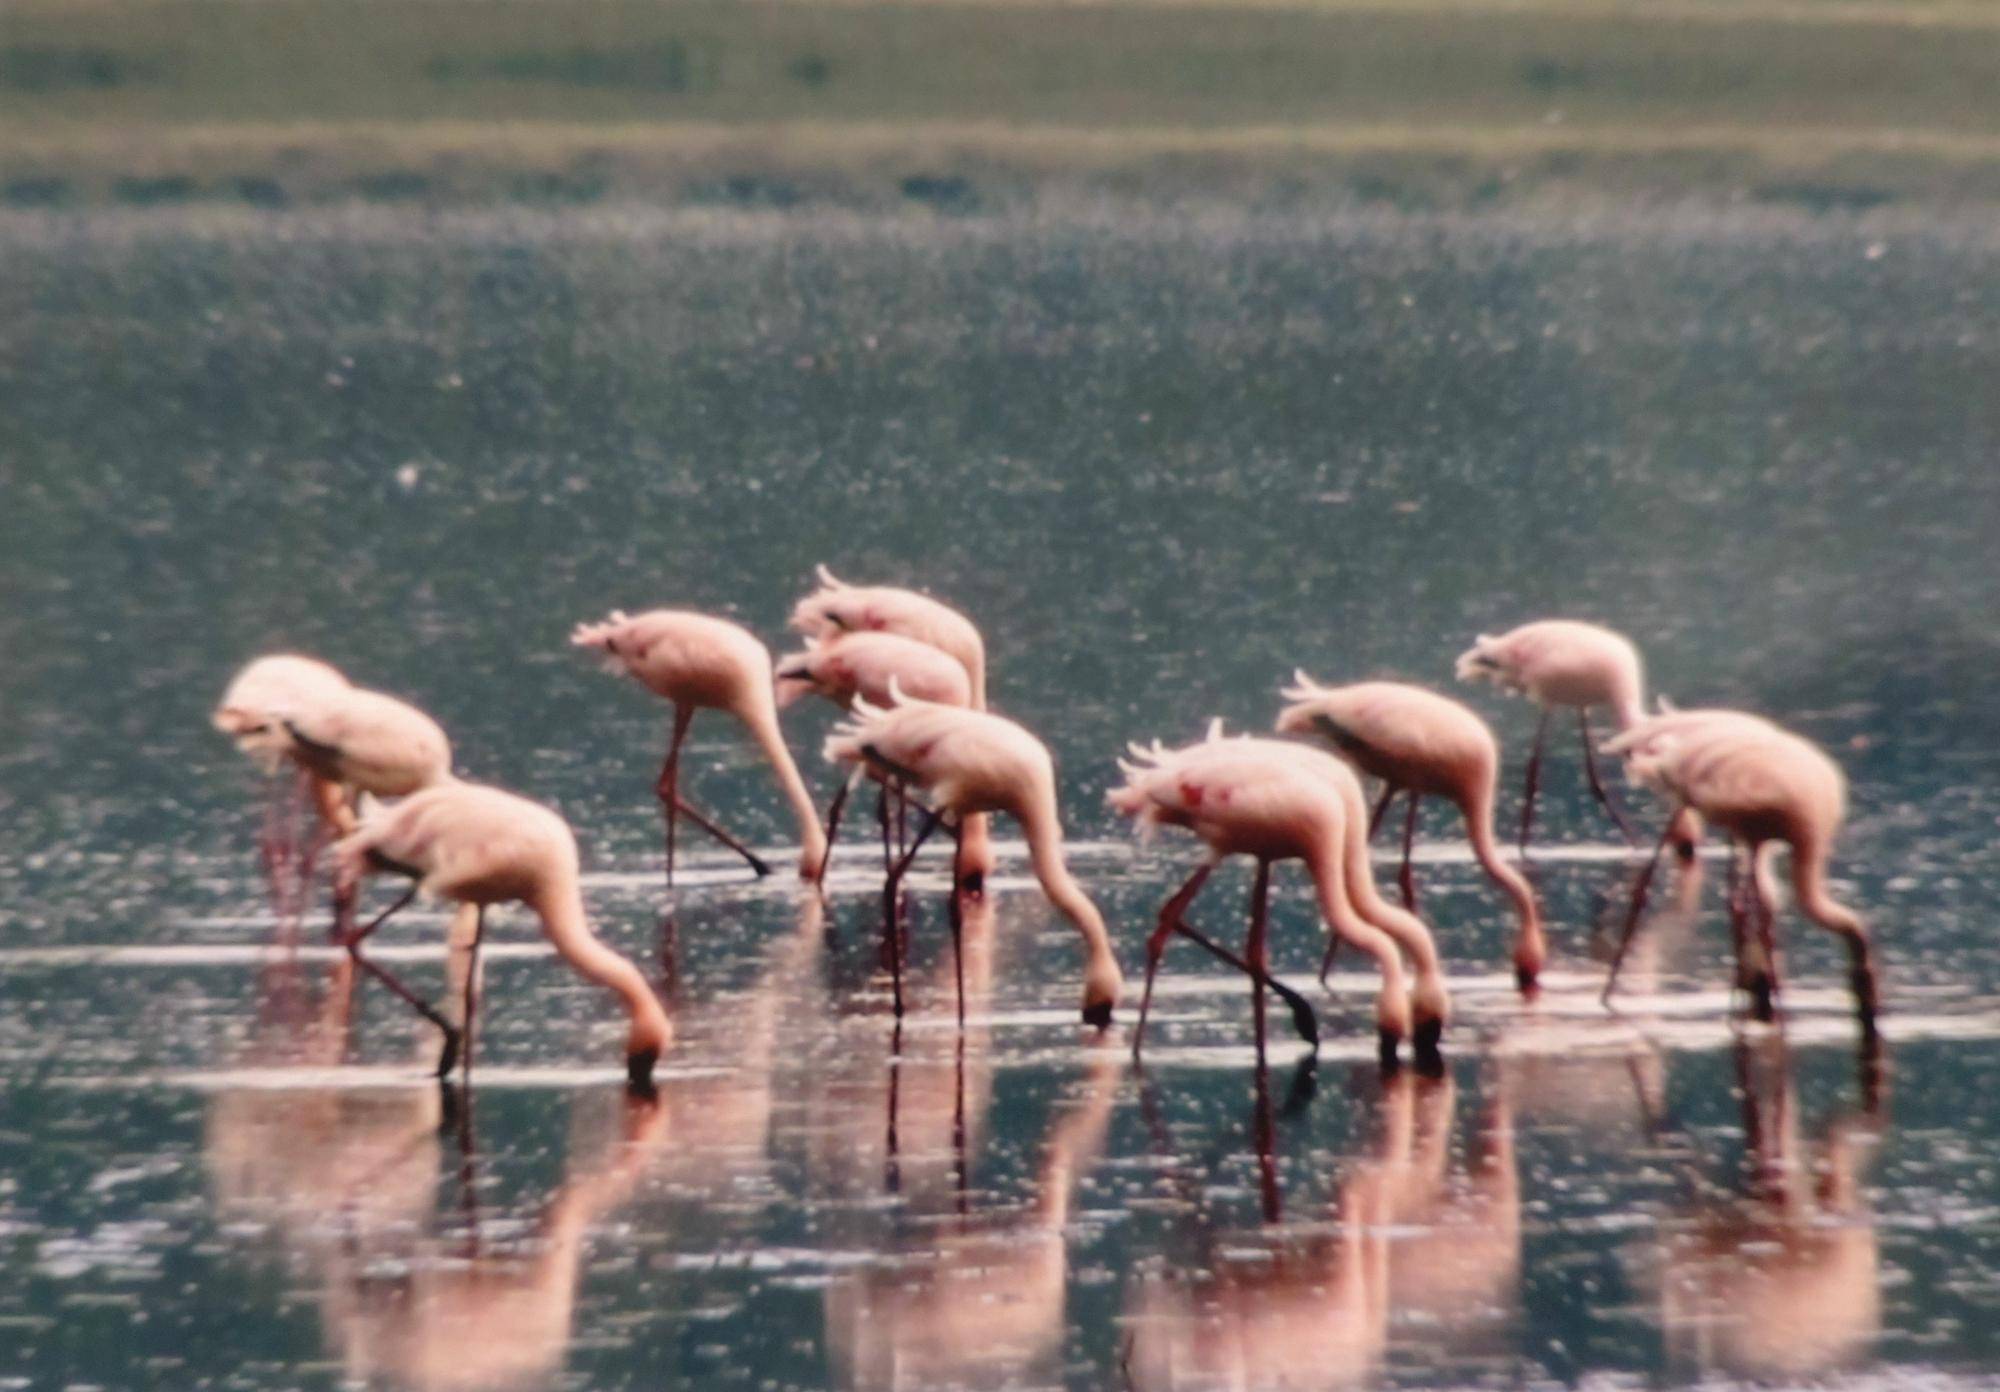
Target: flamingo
{"points": [[701, 662], [1762, 785], [1422, 744], [1272, 801], [837, 607], [1562, 662], [479, 846], [863, 664], [970, 762], [346, 740]]}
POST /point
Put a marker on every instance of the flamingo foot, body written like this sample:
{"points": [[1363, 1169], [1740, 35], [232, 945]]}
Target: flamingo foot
{"points": [[1098, 1015]]}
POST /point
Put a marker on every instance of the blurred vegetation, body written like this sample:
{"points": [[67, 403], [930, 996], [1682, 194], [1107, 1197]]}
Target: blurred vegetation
{"points": [[267, 101]]}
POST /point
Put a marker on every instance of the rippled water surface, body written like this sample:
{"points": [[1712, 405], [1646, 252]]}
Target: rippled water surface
{"points": [[1165, 456]]}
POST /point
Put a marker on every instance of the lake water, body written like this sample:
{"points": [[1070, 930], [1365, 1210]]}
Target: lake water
{"points": [[1164, 454]]}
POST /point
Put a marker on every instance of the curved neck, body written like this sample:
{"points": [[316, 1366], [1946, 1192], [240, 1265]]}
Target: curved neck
{"points": [[560, 906], [1809, 856], [1478, 810], [1628, 701], [762, 718], [1405, 927], [1043, 829]]}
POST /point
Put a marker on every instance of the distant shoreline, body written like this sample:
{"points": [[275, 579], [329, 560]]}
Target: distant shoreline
{"points": [[1831, 103]]}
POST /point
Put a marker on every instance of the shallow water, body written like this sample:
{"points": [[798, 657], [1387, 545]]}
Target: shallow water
{"points": [[1164, 455]]}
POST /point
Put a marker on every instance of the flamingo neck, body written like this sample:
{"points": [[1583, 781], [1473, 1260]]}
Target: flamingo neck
{"points": [[1809, 857], [560, 907], [1478, 810], [762, 718], [1043, 829]]}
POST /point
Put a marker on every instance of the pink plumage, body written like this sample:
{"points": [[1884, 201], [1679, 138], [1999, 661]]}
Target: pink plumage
{"points": [[477, 845], [700, 662], [1428, 745], [1273, 801], [971, 762]]}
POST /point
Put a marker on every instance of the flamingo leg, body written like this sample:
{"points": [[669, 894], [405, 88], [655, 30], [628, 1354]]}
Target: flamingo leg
{"points": [[1381, 809], [1304, 1020], [756, 862], [1254, 949], [1597, 787], [1534, 781], [472, 992], [889, 892], [1264, 1131], [882, 821], [1406, 879], [402, 992], [1156, 943], [668, 787], [958, 923], [1638, 906], [833, 810]]}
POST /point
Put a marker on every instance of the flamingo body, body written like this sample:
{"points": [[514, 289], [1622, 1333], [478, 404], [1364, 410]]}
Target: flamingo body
{"points": [[837, 607], [1415, 739], [972, 762], [700, 662], [370, 741], [1273, 800], [265, 687], [864, 664], [478, 845], [1561, 662]]}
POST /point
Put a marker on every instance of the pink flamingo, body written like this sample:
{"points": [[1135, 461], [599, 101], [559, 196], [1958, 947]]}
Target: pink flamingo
{"points": [[1561, 662], [864, 664], [700, 662], [1272, 801], [972, 762], [285, 681], [1762, 785], [345, 740], [838, 607], [479, 846], [1422, 744]]}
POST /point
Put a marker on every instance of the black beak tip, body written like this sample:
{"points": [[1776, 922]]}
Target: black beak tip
{"points": [[1386, 1044], [1098, 1015], [639, 1072], [1525, 979]]}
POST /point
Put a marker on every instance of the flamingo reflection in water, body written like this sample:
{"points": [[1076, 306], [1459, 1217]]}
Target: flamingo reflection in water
{"points": [[981, 1301], [1313, 1305], [347, 1181], [904, 1110], [1783, 1282]]}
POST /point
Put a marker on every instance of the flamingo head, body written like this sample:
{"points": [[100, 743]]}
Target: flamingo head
{"points": [[835, 607], [604, 637], [1648, 749], [792, 675], [1481, 662]]}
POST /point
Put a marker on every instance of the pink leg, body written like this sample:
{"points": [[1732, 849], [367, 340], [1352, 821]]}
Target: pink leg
{"points": [[958, 922], [832, 826], [1534, 781], [472, 992], [1638, 906], [449, 1056], [668, 787], [1381, 808], [1254, 949], [1407, 878], [890, 890], [1597, 787], [1156, 944], [757, 863]]}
